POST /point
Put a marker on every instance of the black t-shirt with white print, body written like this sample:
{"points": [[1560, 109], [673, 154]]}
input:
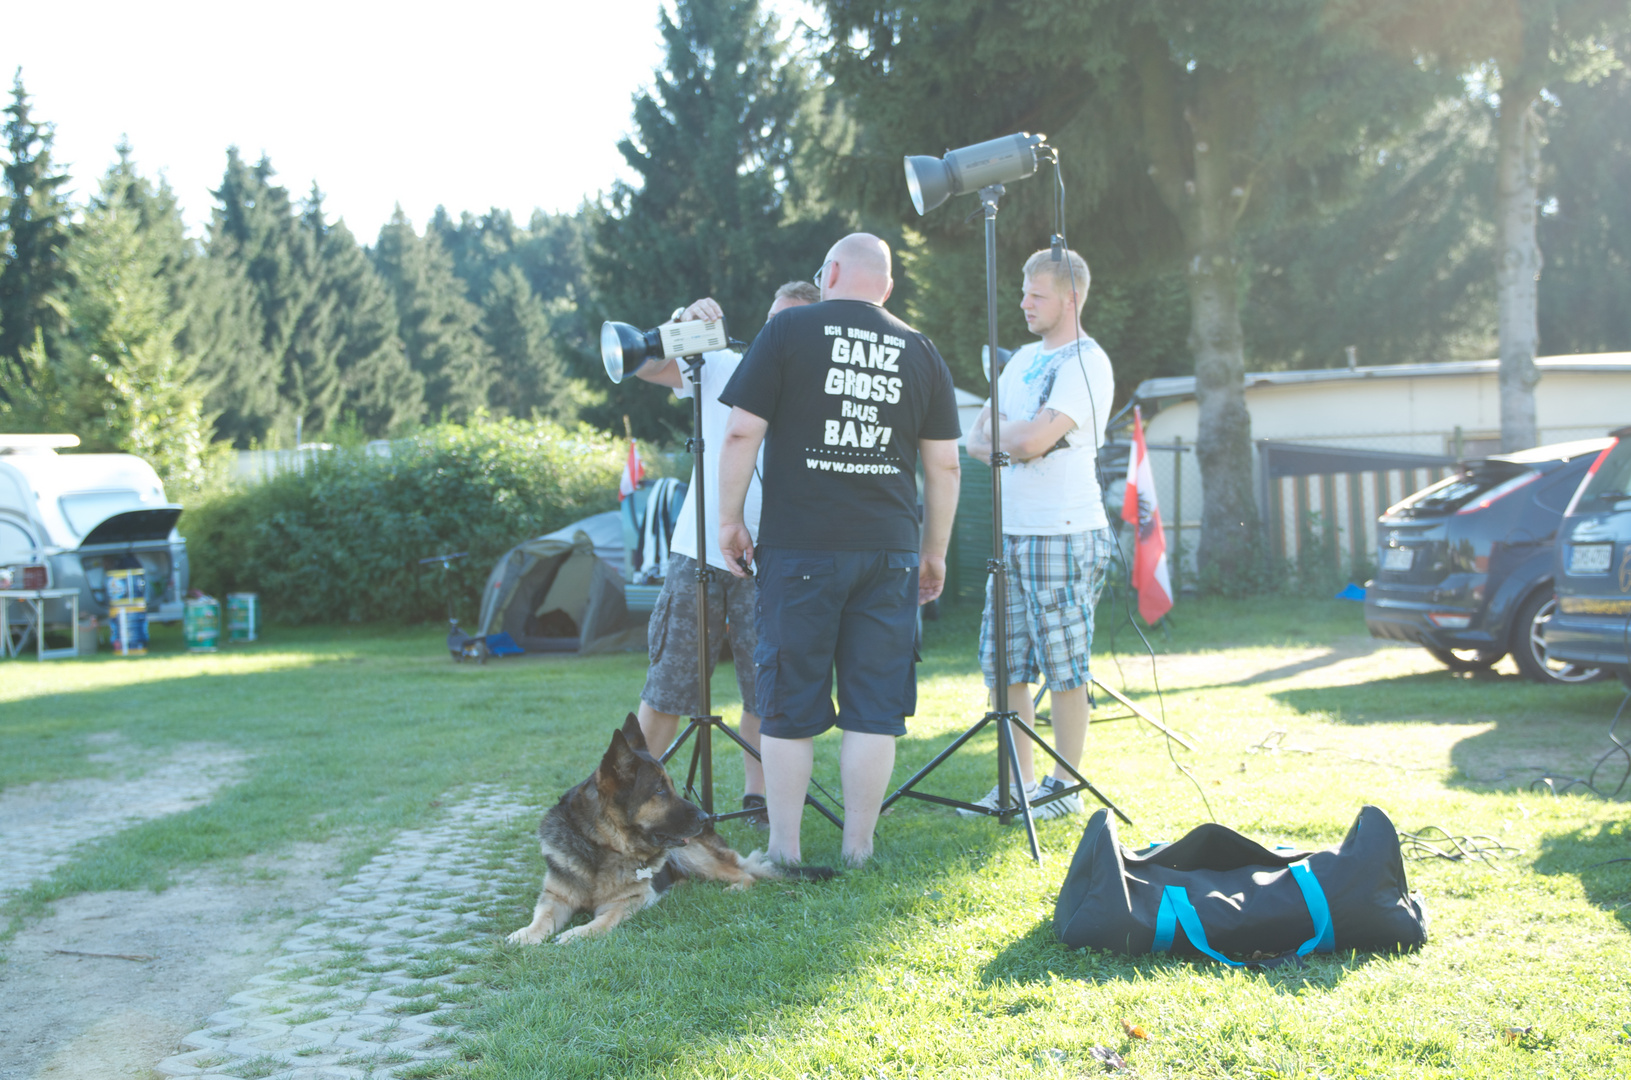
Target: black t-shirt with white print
{"points": [[847, 390]]}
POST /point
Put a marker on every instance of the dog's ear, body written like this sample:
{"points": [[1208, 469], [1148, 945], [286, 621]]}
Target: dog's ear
{"points": [[632, 732], [618, 764]]}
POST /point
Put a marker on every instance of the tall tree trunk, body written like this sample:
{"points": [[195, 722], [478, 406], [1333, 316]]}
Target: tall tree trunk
{"points": [[1517, 275], [1223, 444], [1195, 167]]}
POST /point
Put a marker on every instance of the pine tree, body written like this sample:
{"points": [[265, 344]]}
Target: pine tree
{"points": [[381, 390], [119, 381], [33, 274], [440, 329], [263, 260], [531, 378], [719, 207]]}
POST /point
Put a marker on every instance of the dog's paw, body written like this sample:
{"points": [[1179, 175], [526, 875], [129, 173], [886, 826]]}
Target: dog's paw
{"points": [[740, 886], [566, 937], [527, 935]]}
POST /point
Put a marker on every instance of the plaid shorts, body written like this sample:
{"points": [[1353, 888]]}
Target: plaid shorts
{"points": [[671, 636], [1053, 584]]}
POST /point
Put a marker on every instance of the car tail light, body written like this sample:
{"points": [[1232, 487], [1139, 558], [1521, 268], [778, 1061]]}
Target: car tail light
{"points": [[1499, 491], [33, 577], [1445, 620]]}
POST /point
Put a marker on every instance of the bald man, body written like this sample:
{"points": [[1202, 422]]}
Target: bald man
{"points": [[846, 400]]}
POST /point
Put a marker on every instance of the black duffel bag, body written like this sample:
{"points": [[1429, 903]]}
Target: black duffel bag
{"points": [[1216, 893]]}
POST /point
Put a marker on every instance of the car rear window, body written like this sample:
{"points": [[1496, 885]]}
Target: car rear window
{"points": [[1609, 479], [1458, 491]]}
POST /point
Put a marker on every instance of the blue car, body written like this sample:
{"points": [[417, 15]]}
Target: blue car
{"points": [[1592, 624], [1465, 567]]}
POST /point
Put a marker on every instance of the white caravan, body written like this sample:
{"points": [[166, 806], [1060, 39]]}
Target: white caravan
{"points": [[66, 519]]}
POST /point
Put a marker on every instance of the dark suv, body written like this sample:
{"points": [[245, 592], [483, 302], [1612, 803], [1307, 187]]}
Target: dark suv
{"points": [[1593, 621], [1466, 565]]}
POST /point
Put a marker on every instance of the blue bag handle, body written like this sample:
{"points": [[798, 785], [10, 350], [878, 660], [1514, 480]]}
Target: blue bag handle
{"points": [[1176, 910]]}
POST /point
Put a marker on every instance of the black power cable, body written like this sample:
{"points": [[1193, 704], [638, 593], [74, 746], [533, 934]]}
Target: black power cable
{"points": [[1060, 248]]}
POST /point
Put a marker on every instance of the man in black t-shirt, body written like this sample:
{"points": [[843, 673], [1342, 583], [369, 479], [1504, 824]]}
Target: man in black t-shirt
{"points": [[846, 399]]}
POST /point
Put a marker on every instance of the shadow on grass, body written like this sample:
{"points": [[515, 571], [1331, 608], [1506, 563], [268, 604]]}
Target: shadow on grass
{"points": [[1600, 857], [707, 968], [1529, 730], [1038, 957]]}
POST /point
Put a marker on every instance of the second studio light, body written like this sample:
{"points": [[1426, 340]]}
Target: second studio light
{"points": [[625, 350], [931, 181]]}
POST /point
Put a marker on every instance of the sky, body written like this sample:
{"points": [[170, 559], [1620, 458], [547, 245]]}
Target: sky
{"points": [[472, 105]]}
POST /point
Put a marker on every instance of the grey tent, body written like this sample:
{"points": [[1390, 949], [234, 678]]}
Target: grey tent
{"points": [[560, 593]]}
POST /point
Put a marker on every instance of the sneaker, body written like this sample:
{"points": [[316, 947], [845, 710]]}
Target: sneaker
{"points": [[1070, 804], [761, 818], [990, 800]]}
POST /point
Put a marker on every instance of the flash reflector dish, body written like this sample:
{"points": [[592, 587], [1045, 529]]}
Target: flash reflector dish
{"points": [[931, 181]]}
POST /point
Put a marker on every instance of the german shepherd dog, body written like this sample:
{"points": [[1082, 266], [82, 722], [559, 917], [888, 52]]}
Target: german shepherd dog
{"points": [[616, 842]]}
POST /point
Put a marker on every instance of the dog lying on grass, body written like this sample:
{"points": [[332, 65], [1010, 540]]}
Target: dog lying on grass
{"points": [[616, 842]]}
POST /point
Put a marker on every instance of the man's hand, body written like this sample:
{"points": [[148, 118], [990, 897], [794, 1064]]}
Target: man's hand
{"points": [[736, 544], [931, 577], [705, 310]]}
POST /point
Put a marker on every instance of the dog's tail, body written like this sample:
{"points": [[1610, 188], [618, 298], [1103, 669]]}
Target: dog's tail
{"points": [[761, 866]]}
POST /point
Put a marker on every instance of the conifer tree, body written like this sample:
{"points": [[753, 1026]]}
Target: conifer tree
{"points": [[380, 389], [264, 258], [116, 378], [718, 209], [33, 274], [440, 329], [530, 379]]}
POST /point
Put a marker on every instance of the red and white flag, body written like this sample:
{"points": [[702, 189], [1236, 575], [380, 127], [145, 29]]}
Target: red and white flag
{"points": [[1140, 510], [633, 472]]}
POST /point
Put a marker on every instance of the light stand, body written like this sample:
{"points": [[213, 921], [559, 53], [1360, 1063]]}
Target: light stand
{"points": [[1000, 714], [703, 726]]}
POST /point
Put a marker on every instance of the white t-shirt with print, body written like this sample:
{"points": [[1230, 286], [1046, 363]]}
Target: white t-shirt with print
{"points": [[1058, 492], [717, 369]]}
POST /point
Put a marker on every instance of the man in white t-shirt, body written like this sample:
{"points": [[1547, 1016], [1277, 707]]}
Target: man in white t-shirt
{"points": [[671, 688], [1055, 395]]}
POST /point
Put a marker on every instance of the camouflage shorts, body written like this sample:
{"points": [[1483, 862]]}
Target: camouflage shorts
{"points": [[671, 637]]}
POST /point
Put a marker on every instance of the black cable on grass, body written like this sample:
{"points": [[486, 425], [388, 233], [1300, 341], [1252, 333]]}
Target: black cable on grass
{"points": [[1432, 842], [1551, 784], [1098, 474]]}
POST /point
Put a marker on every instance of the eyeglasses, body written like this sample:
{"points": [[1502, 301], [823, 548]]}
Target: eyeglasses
{"points": [[821, 273]]}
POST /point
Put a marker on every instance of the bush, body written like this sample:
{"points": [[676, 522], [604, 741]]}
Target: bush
{"points": [[342, 540]]}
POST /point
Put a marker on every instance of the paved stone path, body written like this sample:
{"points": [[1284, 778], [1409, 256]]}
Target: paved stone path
{"points": [[41, 824], [373, 986]]}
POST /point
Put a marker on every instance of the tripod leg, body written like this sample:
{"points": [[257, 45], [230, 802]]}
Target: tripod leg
{"points": [[1081, 780], [1005, 737], [938, 758]]}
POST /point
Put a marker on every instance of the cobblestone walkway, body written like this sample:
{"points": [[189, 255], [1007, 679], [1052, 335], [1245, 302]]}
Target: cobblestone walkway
{"points": [[371, 988]]}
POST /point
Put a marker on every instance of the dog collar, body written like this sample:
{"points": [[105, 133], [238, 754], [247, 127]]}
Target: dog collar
{"points": [[645, 873]]}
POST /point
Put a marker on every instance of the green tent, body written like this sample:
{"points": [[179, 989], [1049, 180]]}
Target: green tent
{"points": [[559, 593]]}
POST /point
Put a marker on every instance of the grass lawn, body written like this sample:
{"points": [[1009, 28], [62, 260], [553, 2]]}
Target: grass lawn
{"points": [[938, 959]]}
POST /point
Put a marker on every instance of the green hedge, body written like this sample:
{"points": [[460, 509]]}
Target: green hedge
{"points": [[341, 540]]}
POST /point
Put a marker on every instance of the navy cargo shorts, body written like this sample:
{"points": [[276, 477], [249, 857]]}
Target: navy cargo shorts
{"points": [[855, 611]]}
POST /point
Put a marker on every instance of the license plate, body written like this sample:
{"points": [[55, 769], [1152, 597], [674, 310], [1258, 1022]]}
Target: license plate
{"points": [[1590, 558], [1397, 558]]}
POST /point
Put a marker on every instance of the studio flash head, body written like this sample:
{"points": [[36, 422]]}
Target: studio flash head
{"points": [[932, 181], [625, 350]]}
